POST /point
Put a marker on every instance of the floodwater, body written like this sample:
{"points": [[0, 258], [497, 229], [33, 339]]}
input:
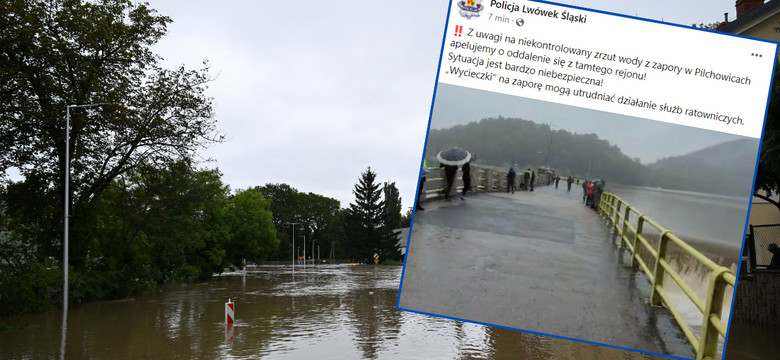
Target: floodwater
{"points": [[752, 342], [322, 312], [704, 217]]}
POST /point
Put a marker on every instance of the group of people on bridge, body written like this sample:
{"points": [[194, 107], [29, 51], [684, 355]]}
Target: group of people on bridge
{"points": [[591, 192], [529, 179], [591, 189]]}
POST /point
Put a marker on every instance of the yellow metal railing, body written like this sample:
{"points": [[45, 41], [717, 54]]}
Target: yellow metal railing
{"points": [[620, 216]]}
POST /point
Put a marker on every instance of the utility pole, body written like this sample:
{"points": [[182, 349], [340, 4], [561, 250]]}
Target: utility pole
{"points": [[293, 243], [67, 200]]}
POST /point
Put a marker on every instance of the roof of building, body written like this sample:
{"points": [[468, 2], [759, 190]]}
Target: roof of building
{"points": [[732, 26]]}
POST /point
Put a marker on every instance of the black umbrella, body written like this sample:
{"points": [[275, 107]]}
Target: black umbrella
{"points": [[453, 156]]}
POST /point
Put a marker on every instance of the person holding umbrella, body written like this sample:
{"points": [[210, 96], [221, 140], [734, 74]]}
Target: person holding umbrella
{"points": [[450, 159]]}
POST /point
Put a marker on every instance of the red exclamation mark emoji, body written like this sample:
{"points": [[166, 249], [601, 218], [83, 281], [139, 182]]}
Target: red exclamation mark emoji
{"points": [[458, 30]]}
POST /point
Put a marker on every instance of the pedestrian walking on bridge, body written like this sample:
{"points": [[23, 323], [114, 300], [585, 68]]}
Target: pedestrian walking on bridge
{"points": [[526, 178], [510, 181], [466, 176], [449, 179]]}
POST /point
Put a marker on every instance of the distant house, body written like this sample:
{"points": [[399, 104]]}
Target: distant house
{"points": [[755, 19], [759, 20], [755, 302]]}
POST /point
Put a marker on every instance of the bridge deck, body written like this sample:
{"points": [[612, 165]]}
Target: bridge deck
{"points": [[537, 261]]}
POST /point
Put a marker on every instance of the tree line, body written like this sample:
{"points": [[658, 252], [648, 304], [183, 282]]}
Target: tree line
{"points": [[141, 210], [725, 169]]}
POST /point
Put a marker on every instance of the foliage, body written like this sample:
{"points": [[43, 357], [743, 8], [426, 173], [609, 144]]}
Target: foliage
{"points": [[150, 226], [312, 213], [317, 212], [334, 237], [252, 233], [406, 219], [56, 53], [710, 26], [388, 246], [162, 226], [393, 205]]}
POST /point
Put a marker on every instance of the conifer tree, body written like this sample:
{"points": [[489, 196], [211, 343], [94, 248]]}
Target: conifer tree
{"points": [[364, 223]]}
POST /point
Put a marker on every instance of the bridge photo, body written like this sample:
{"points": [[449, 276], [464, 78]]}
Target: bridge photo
{"points": [[635, 253]]}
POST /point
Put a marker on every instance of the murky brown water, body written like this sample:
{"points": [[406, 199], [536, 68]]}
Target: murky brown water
{"points": [[752, 342], [322, 312]]}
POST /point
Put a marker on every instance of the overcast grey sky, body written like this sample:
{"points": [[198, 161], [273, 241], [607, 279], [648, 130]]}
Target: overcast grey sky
{"points": [[311, 93]]}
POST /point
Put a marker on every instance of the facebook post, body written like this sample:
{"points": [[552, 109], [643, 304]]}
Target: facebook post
{"points": [[587, 176]]}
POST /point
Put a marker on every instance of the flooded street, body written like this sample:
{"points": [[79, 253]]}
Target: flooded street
{"points": [[323, 312]]}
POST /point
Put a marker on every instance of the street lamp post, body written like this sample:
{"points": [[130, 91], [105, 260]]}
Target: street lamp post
{"points": [[67, 200], [293, 243]]}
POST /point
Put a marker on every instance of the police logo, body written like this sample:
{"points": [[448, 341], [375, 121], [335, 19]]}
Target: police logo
{"points": [[470, 8]]}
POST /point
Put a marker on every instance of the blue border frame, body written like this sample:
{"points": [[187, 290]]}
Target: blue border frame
{"points": [[422, 158], [750, 202]]}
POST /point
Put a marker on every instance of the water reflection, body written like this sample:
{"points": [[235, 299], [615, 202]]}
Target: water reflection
{"points": [[331, 312]]}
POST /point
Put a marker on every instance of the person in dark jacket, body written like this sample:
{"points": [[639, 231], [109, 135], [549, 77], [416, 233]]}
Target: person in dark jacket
{"points": [[526, 178], [598, 188], [569, 180], [533, 179], [585, 191], [510, 181], [466, 169], [449, 179], [775, 250]]}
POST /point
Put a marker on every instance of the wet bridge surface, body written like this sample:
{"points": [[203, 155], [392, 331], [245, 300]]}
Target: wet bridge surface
{"points": [[536, 261]]}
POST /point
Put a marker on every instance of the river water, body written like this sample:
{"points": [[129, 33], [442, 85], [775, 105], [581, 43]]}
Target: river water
{"points": [[321, 312], [701, 219]]}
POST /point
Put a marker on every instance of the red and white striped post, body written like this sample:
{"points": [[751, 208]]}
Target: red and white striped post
{"points": [[229, 312]]}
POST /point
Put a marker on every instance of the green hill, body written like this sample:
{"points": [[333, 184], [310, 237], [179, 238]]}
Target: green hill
{"points": [[721, 169]]}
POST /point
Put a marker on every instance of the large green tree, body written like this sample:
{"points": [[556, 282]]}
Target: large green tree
{"points": [[55, 53], [252, 235], [366, 229], [286, 211], [317, 213], [162, 225]]}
